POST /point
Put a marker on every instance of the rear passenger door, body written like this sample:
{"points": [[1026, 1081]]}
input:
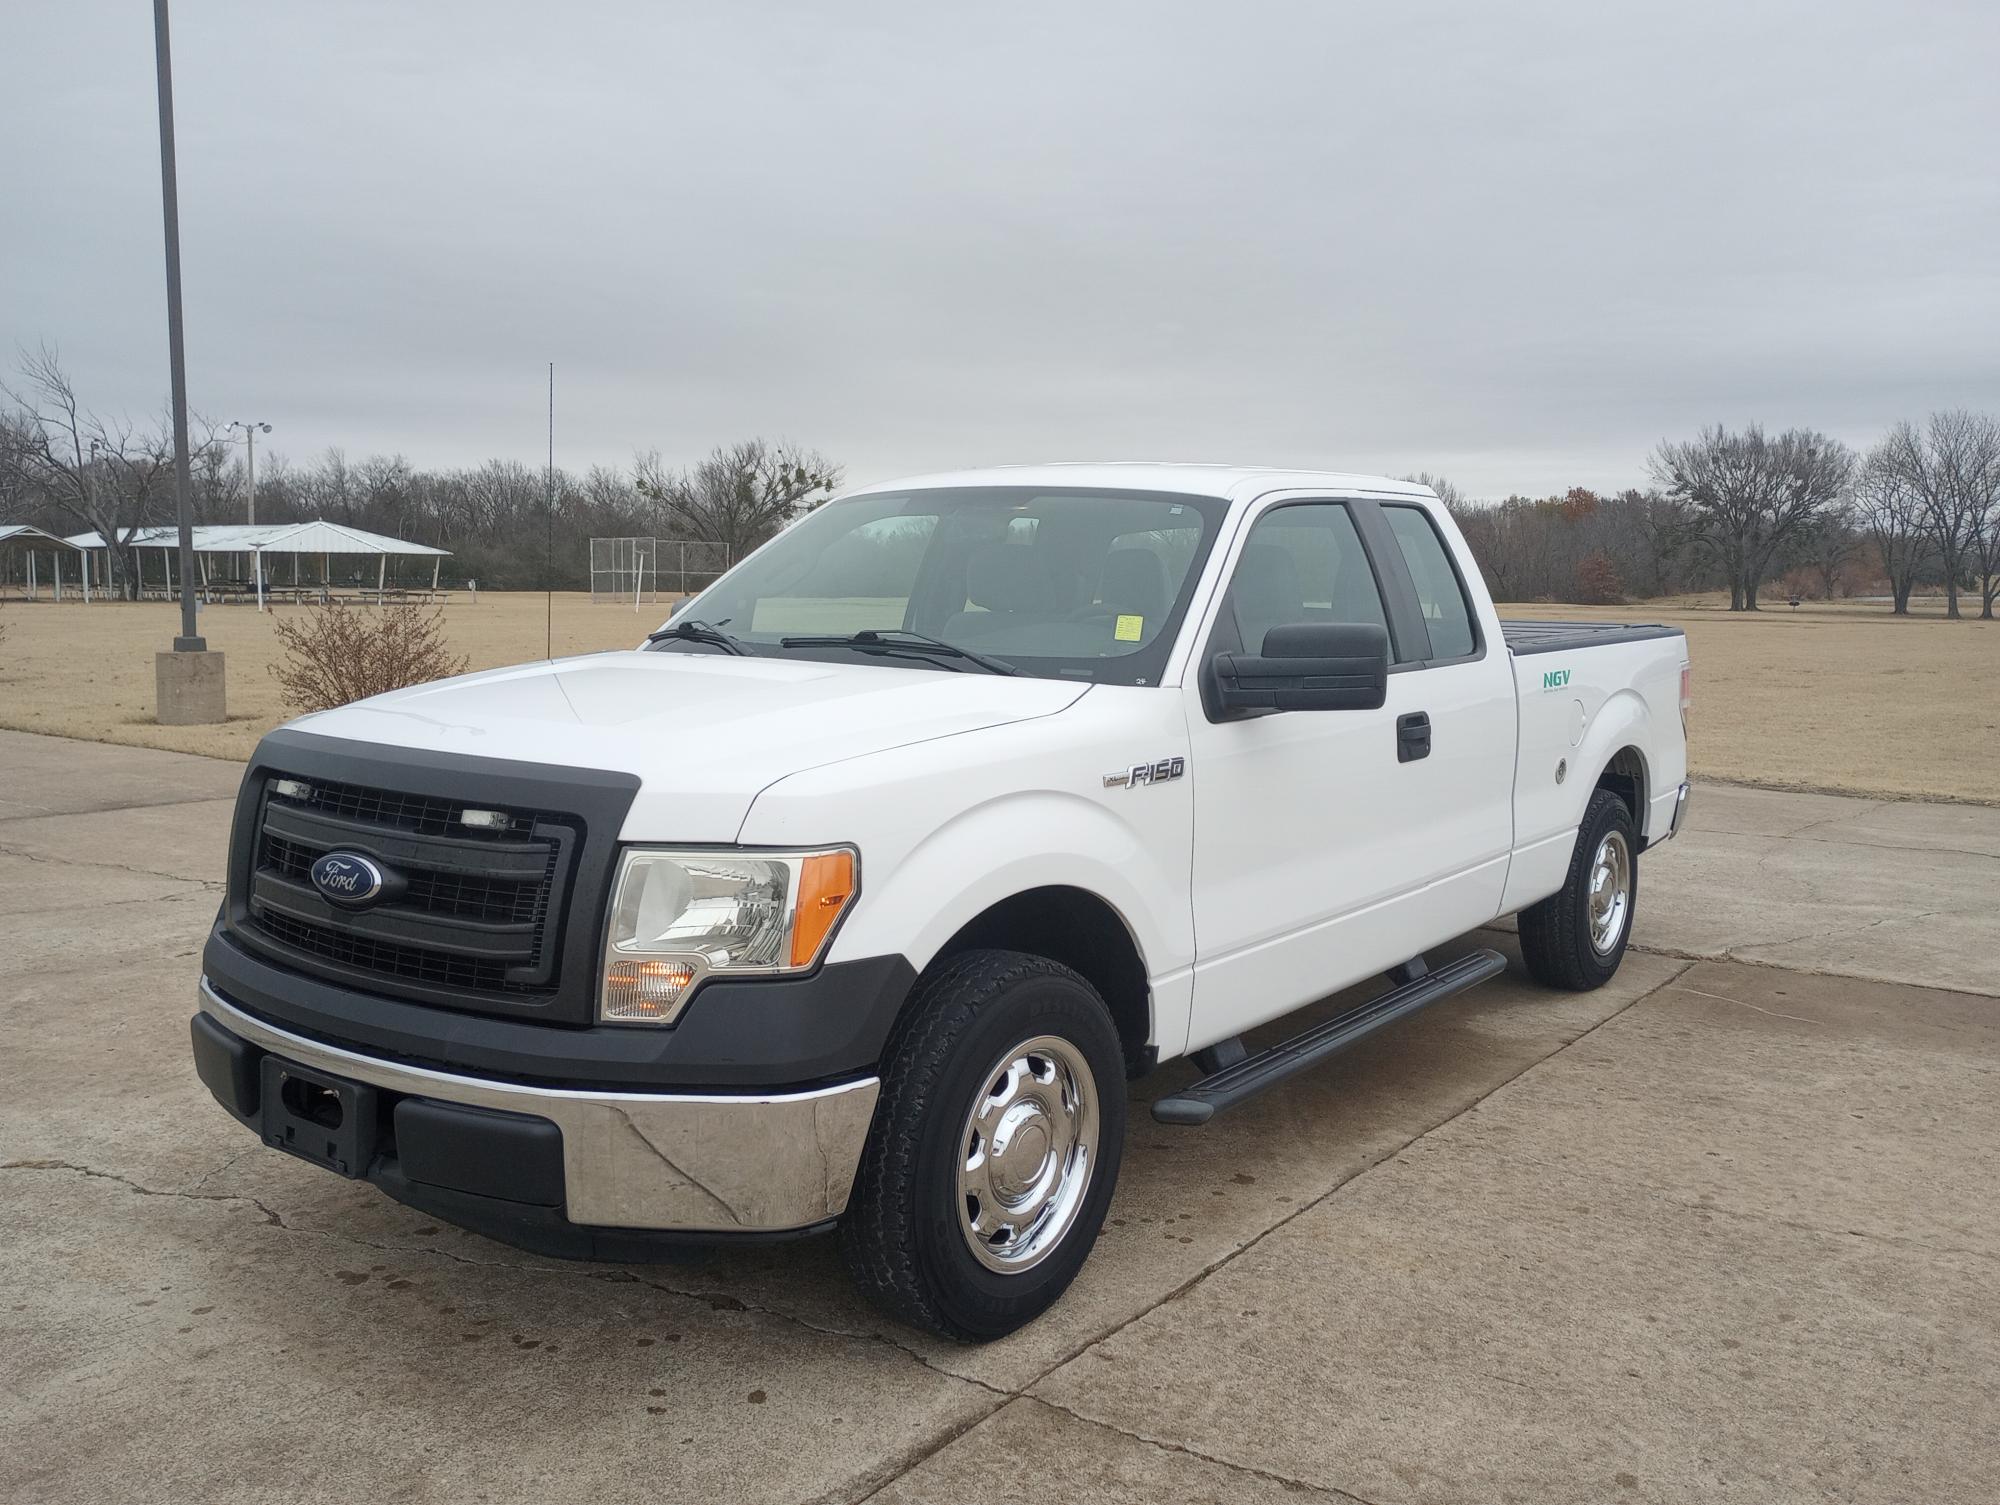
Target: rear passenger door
{"points": [[1461, 795]]}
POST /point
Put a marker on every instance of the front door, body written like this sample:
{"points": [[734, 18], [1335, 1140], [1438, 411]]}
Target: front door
{"points": [[1322, 853]]}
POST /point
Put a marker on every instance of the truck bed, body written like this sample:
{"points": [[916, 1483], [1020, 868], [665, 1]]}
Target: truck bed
{"points": [[1559, 637]]}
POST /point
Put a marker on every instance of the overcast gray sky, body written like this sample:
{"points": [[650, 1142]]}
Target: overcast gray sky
{"points": [[1515, 243]]}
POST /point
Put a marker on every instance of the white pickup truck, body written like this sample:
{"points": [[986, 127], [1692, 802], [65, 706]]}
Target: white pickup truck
{"points": [[854, 897]]}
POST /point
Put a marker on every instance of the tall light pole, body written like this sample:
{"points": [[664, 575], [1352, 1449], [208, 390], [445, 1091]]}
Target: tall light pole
{"points": [[188, 681], [250, 432]]}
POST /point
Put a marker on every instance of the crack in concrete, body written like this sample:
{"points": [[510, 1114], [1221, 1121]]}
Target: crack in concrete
{"points": [[147, 1191], [1269, 1476], [1842, 930], [1925, 850], [1881, 797], [206, 1176], [1801, 1225], [69, 910], [1721, 998], [714, 1299], [210, 884], [1799, 969], [1611, 1177]]}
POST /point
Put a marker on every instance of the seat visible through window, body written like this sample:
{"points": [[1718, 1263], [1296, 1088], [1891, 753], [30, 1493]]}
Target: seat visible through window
{"points": [[1303, 562]]}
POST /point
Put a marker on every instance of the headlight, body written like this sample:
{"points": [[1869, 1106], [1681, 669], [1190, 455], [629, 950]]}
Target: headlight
{"points": [[678, 916]]}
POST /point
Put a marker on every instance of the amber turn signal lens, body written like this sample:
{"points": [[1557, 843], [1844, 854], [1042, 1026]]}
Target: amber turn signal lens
{"points": [[645, 990], [826, 883]]}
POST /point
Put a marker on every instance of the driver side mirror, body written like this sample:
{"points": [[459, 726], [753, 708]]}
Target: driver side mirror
{"points": [[1308, 666]]}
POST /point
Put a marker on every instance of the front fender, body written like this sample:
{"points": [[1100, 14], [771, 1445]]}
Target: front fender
{"points": [[1005, 846]]}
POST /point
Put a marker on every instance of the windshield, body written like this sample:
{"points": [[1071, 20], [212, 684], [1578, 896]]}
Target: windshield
{"points": [[1072, 584]]}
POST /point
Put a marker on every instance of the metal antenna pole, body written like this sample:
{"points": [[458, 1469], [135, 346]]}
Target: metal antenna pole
{"points": [[251, 435], [189, 641], [549, 555]]}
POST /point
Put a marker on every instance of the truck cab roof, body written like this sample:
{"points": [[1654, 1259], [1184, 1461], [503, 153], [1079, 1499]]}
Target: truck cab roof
{"points": [[1230, 482]]}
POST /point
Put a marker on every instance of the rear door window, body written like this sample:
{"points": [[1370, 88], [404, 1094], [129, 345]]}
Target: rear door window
{"points": [[1440, 593]]}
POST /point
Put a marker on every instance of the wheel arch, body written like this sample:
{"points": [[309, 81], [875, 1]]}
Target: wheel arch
{"points": [[1083, 932], [1625, 774]]}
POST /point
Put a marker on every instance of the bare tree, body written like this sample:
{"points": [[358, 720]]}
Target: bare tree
{"points": [[1892, 514], [1749, 494], [1830, 544], [108, 475], [740, 495], [1447, 492], [1949, 467], [1983, 544]]}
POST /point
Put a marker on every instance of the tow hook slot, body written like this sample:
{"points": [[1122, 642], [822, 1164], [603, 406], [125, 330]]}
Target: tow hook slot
{"points": [[327, 1120], [312, 1102]]}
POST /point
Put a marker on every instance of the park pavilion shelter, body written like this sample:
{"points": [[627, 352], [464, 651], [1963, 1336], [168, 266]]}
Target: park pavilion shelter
{"points": [[265, 558], [23, 550]]}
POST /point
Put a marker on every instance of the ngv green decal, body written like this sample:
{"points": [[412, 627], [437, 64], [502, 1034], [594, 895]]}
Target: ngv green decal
{"points": [[1555, 679]]}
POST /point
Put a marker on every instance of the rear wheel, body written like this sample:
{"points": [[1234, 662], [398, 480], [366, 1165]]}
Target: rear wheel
{"points": [[1576, 937], [995, 1147]]}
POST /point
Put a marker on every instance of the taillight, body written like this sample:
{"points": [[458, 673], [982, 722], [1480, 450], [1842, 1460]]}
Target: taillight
{"points": [[1687, 691]]}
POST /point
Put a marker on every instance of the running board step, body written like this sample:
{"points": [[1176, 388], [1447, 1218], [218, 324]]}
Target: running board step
{"points": [[1199, 1101]]}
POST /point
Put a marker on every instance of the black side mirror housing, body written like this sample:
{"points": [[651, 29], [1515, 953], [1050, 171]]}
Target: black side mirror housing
{"points": [[1308, 666]]}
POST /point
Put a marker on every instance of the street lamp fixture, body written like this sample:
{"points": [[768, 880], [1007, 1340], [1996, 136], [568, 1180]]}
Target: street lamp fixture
{"points": [[250, 433]]}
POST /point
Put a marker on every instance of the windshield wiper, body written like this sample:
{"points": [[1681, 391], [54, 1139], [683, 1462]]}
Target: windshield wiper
{"points": [[900, 639], [691, 631]]}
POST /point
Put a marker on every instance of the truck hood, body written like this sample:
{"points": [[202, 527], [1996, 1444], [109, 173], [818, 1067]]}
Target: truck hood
{"points": [[704, 734]]}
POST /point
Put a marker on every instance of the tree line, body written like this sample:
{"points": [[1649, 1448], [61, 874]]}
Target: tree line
{"points": [[1741, 511], [1736, 511], [69, 469]]}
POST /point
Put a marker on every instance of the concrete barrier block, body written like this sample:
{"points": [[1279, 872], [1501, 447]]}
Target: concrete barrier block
{"points": [[189, 689]]}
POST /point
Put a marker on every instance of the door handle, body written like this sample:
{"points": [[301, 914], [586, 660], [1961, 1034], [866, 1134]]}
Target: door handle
{"points": [[1413, 736]]}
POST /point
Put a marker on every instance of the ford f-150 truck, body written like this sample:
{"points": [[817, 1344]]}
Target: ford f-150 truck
{"points": [[854, 897]]}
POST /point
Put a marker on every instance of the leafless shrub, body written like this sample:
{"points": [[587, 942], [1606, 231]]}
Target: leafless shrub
{"points": [[339, 653]]}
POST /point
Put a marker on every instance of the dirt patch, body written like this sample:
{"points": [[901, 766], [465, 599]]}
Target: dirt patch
{"points": [[87, 671]]}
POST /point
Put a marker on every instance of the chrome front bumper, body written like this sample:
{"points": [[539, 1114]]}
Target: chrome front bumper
{"points": [[685, 1162]]}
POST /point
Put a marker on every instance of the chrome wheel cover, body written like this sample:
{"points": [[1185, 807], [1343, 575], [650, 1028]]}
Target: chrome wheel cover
{"points": [[1610, 897], [1028, 1150]]}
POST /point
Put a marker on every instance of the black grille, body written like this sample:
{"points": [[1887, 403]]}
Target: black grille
{"points": [[465, 896], [404, 812], [471, 911], [479, 898], [411, 963]]}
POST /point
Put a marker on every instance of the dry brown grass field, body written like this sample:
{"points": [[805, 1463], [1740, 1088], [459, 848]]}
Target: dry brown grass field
{"points": [[1840, 697]]}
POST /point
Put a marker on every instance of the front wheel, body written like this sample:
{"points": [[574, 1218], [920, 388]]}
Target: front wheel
{"points": [[1576, 937], [995, 1146]]}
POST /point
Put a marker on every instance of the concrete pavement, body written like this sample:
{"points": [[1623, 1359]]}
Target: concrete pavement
{"points": [[1718, 1231]]}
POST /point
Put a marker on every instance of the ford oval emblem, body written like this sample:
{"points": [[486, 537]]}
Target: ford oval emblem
{"points": [[347, 878]]}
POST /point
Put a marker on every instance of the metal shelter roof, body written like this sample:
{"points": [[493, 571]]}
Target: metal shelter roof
{"points": [[316, 537], [24, 535]]}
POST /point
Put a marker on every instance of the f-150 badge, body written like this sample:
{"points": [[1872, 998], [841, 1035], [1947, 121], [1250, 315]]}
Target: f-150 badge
{"points": [[1146, 773]]}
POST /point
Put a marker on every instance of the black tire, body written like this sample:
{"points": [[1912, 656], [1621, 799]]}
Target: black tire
{"points": [[1556, 939], [902, 1236]]}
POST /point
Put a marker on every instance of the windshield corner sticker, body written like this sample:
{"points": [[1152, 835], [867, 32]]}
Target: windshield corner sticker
{"points": [[1129, 628], [1555, 679], [1146, 773]]}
